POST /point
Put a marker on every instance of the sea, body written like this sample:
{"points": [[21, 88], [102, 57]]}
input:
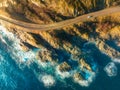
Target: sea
{"points": [[20, 70]]}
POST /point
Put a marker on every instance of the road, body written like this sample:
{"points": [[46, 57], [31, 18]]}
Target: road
{"points": [[35, 28]]}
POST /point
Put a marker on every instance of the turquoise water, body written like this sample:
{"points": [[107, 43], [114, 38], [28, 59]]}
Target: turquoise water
{"points": [[20, 70]]}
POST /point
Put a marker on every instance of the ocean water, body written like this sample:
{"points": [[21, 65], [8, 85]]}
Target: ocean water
{"points": [[20, 70]]}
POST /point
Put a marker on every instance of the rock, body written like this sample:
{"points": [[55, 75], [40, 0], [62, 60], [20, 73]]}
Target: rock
{"points": [[83, 65], [45, 55], [64, 67], [77, 76], [106, 49], [70, 39]]}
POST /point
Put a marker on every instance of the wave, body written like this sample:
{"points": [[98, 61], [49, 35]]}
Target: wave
{"points": [[14, 62], [90, 76], [12, 59], [116, 60], [47, 80], [62, 75], [13, 44], [111, 69]]}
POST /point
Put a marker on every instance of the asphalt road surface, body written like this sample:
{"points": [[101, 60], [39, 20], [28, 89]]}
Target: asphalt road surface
{"points": [[35, 28]]}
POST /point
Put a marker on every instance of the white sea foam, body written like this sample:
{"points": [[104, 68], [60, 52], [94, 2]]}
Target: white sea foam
{"points": [[11, 57], [15, 48], [48, 80], [85, 83], [62, 74], [43, 64], [27, 57], [116, 60], [111, 69]]}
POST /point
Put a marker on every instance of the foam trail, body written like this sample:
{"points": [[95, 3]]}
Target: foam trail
{"points": [[13, 45], [10, 56], [47, 80], [88, 81], [43, 64], [11, 51], [111, 69], [63, 75], [116, 60], [7, 72]]}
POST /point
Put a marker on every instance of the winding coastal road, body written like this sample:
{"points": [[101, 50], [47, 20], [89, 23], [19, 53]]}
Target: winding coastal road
{"points": [[34, 28]]}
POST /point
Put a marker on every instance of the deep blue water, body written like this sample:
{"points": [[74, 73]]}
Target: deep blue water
{"points": [[19, 70]]}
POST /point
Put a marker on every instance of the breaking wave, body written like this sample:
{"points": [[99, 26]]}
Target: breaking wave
{"points": [[111, 69], [90, 76], [62, 75], [10, 73], [18, 66], [47, 80], [21, 70]]}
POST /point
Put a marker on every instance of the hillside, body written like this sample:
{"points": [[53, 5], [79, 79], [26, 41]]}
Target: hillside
{"points": [[48, 11]]}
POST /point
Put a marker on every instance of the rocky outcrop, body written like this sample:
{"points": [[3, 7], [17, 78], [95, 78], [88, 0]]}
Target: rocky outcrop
{"points": [[46, 55], [84, 65], [106, 49], [77, 76], [66, 46], [64, 67]]}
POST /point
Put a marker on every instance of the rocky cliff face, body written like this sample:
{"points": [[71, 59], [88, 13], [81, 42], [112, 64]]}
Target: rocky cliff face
{"points": [[72, 46]]}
